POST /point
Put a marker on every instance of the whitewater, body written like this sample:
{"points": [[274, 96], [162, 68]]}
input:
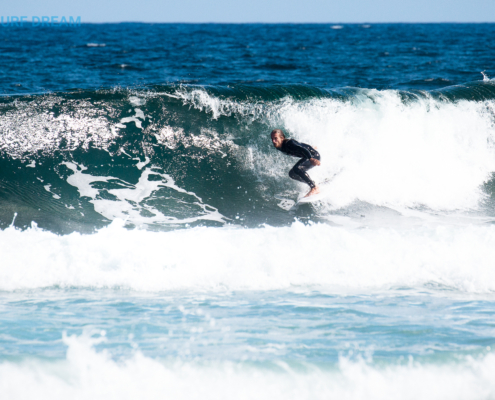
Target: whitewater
{"points": [[150, 245]]}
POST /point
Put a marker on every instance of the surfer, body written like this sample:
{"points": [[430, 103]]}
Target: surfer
{"points": [[309, 158]]}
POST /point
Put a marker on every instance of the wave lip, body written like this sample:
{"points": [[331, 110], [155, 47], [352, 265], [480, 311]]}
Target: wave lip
{"points": [[470, 91]]}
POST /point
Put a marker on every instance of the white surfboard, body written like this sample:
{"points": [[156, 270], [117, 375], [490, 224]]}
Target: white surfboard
{"points": [[310, 199], [320, 196], [288, 204]]}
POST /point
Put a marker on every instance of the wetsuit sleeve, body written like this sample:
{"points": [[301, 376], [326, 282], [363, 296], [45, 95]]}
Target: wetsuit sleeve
{"points": [[296, 148]]}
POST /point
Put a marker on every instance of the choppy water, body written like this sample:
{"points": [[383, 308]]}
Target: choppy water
{"points": [[147, 244]]}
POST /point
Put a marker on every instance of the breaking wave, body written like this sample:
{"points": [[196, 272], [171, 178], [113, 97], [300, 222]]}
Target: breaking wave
{"points": [[164, 157], [300, 257], [86, 373]]}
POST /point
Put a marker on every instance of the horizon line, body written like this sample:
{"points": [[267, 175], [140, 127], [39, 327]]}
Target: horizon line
{"points": [[277, 23], [288, 23]]}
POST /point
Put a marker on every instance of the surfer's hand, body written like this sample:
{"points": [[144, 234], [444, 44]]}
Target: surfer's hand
{"points": [[314, 161]]}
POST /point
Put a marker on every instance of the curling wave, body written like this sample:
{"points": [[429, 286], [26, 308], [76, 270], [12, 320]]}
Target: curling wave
{"points": [[175, 156]]}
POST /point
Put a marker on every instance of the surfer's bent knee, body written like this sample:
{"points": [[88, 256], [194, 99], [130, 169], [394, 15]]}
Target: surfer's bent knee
{"points": [[299, 174]]}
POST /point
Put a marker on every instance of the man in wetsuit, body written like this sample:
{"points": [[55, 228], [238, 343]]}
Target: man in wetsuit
{"points": [[309, 158]]}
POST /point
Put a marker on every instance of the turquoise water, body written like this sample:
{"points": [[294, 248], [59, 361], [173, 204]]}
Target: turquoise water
{"points": [[265, 343], [255, 328]]}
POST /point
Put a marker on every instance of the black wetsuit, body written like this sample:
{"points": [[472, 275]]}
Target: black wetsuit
{"points": [[293, 148]]}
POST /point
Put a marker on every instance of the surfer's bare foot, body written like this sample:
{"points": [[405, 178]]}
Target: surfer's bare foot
{"points": [[313, 191]]}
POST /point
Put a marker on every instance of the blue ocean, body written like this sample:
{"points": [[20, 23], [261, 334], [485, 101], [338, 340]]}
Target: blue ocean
{"points": [[151, 243]]}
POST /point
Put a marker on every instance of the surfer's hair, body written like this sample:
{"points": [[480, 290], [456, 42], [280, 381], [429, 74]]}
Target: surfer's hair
{"points": [[278, 132]]}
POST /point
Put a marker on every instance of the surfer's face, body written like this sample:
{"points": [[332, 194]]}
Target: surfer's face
{"points": [[277, 140]]}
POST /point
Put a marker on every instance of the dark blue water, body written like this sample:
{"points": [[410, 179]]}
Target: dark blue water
{"points": [[425, 56]]}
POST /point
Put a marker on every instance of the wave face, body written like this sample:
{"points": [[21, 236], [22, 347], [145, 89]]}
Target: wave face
{"points": [[177, 156]]}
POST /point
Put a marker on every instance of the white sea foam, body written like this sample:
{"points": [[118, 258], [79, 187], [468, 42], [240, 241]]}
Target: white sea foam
{"points": [[208, 141], [323, 257], [423, 153], [88, 374], [203, 101], [29, 129], [137, 118], [391, 154], [48, 189], [129, 201]]}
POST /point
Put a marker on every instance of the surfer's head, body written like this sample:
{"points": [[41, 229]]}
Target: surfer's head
{"points": [[277, 138]]}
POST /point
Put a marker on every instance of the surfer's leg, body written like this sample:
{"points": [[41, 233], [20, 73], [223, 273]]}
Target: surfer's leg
{"points": [[298, 173]]}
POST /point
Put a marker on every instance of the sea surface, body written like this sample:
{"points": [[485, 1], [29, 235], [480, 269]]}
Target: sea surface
{"points": [[151, 246]]}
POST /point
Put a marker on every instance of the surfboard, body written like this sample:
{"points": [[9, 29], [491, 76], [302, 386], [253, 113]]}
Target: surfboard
{"points": [[310, 199], [316, 197], [288, 204]]}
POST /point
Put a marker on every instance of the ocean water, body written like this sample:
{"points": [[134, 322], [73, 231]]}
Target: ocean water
{"points": [[150, 245]]}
